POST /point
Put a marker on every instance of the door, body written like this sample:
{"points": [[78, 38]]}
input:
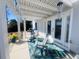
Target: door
{"points": [[36, 26], [58, 24], [49, 27], [67, 32]]}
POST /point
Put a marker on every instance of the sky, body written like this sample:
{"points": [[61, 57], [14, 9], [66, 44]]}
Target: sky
{"points": [[10, 14]]}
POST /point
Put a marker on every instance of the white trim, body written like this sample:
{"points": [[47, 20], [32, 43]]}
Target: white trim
{"points": [[64, 18], [19, 30], [33, 24], [71, 19], [24, 34]]}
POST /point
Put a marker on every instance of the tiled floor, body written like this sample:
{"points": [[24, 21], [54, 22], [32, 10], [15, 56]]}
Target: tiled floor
{"points": [[25, 50], [19, 51]]}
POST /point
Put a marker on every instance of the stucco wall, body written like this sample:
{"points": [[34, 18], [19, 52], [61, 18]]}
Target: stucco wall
{"points": [[75, 29], [62, 42], [42, 27], [4, 51]]}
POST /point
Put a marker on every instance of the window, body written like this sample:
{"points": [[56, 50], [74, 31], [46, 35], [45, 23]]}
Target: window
{"points": [[36, 26], [49, 27], [15, 2], [58, 24], [67, 31]]}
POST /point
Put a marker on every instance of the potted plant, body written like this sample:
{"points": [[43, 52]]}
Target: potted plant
{"points": [[14, 37]]}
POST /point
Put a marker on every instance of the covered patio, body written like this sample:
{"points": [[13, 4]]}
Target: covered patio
{"points": [[52, 17]]}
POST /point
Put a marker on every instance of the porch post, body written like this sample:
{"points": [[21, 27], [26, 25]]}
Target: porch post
{"points": [[33, 24], [24, 29], [19, 31], [4, 53], [19, 19]]}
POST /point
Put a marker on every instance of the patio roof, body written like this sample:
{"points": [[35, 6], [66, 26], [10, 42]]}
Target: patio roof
{"points": [[40, 9]]}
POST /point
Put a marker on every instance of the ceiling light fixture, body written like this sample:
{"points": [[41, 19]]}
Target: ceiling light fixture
{"points": [[60, 8]]}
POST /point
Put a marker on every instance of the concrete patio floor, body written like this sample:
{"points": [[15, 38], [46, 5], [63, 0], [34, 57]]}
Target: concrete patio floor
{"points": [[19, 51], [23, 50]]}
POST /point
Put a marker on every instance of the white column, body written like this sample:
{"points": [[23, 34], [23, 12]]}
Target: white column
{"points": [[53, 28], [24, 29], [63, 30], [19, 19], [4, 53], [43, 26], [19, 31], [33, 24], [46, 27]]}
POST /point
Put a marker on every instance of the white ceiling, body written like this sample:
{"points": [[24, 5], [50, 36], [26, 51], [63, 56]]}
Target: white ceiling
{"points": [[71, 1], [34, 9]]}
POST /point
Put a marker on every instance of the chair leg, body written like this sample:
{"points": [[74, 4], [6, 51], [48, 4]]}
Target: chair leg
{"points": [[42, 50], [33, 53]]}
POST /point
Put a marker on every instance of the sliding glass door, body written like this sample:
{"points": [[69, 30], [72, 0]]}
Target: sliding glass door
{"points": [[67, 30], [49, 27], [58, 25]]}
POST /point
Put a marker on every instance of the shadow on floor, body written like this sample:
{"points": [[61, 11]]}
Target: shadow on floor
{"points": [[20, 42]]}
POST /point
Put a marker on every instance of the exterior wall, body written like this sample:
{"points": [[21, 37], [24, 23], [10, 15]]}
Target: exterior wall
{"points": [[75, 29], [62, 42], [42, 27], [73, 43], [4, 51]]}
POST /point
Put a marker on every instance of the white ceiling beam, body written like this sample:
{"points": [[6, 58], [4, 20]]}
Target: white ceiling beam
{"points": [[32, 13], [10, 5], [42, 5], [30, 18], [36, 10], [67, 2]]}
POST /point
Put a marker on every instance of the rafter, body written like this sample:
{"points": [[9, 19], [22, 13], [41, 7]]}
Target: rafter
{"points": [[36, 10], [44, 5], [67, 2], [33, 14], [31, 18], [32, 5]]}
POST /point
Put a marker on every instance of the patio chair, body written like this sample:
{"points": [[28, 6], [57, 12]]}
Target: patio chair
{"points": [[40, 45], [33, 36], [50, 39]]}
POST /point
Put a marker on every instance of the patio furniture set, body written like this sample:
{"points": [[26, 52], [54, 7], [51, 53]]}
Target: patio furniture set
{"points": [[47, 47]]}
